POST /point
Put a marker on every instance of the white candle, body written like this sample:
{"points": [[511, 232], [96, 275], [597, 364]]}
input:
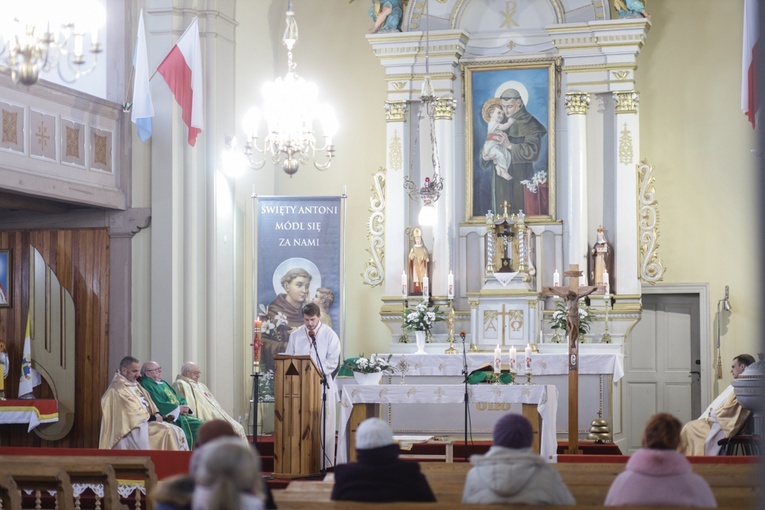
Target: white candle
{"points": [[556, 279], [606, 282], [404, 285], [541, 337], [528, 358], [513, 355], [450, 286], [425, 286], [497, 360]]}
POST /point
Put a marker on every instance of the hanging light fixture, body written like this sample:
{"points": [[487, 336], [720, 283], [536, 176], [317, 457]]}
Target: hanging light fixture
{"points": [[290, 110], [430, 191], [30, 44]]}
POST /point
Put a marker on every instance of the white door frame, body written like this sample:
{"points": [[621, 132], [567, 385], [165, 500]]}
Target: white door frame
{"points": [[702, 290]]}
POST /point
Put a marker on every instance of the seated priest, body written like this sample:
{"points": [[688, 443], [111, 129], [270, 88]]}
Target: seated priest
{"points": [[173, 408], [723, 418], [131, 420], [200, 399]]}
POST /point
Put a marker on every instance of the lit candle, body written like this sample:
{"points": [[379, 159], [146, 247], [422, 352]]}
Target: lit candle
{"points": [[497, 360], [258, 322], [450, 286], [404, 285], [425, 287], [606, 282], [513, 355], [556, 279], [528, 358]]}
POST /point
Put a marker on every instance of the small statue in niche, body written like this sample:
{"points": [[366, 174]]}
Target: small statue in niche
{"points": [[387, 15], [4, 362], [419, 257], [630, 9], [601, 259]]}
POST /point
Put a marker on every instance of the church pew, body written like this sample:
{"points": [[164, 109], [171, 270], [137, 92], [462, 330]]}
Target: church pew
{"points": [[41, 478], [84, 470], [9, 492]]}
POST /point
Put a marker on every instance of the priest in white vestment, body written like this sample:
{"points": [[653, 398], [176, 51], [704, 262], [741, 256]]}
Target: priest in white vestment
{"points": [[322, 344], [723, 418], [131, 420], [200, 399]]}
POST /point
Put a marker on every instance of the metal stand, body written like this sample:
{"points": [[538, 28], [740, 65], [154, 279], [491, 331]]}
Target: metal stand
{"points": [[467, 395], [255, 398]]}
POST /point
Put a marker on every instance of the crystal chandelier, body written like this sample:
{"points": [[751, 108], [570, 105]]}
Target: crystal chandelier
{"points": [[290, 108], [29, 45]]}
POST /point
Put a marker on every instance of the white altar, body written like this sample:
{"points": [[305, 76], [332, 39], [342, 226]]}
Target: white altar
{"points": [[598, 374], [452, 396]]}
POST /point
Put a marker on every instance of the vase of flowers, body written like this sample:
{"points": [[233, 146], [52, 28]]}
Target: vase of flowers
{"points": [[559, 320], [421, 320], [368, 370]]}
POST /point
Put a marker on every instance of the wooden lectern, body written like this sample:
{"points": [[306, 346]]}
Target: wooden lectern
{"points": [[297, 417]]}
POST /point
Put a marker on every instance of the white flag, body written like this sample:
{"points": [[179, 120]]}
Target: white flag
{"points": [[143, 108], [29, 376]]}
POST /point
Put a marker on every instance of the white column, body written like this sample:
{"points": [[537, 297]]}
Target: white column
{"points": [[443, 230], [397, 201], [576, 107], [627, 154]]}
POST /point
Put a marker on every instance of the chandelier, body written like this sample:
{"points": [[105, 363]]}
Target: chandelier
{"points": [[29, 46], [430, 191], [290, 109]]}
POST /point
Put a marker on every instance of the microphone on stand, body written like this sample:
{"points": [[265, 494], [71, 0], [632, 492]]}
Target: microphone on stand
{"points": [[462, 336], [312, 334]]}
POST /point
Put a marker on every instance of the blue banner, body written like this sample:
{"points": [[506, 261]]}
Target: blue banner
{"points": [[299, 256]]}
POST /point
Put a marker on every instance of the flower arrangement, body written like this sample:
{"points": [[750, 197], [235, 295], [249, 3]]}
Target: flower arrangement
{"points": [[421, 318], [370, 365], [559, 318], [266, 387]]}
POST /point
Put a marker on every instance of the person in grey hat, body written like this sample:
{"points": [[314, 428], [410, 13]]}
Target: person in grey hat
{"points": [[523, 140], [379, 475], [511, 473]]}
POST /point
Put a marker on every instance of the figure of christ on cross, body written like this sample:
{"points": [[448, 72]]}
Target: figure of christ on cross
{"points": [[572, 294]]}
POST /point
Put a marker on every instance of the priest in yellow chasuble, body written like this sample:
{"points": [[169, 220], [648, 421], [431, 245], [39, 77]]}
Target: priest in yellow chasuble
{"points": [[200, 399], [173, 408], [130, 420], [723, 418]]}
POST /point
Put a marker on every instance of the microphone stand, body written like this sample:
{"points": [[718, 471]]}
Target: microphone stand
{"points": [[324, 388], [466, 398]]}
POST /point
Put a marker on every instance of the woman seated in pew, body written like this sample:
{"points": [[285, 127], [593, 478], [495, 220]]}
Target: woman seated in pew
{"points": [[657, 474], [511, 473], [379, 475]]}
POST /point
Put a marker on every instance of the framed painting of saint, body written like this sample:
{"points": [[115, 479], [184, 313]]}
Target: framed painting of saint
{"points": [[510, 136], [6, 270]]}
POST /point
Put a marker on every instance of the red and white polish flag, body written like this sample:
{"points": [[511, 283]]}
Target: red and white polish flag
{"points": [[749, 101], [182, 70]]}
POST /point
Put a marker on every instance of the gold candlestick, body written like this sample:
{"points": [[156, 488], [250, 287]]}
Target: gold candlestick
{"points": [[450, 324], [606, 338]]}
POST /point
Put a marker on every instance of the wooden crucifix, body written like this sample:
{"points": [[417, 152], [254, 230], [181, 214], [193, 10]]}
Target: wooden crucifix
{"points": [[572, 294]]}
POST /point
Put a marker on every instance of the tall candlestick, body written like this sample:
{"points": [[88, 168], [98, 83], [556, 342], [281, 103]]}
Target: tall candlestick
{"points": [[556, 279], [606, 282], [404, 285], [425, 287], [497, 360], [450, 286], [528, 358], [513, 355]]}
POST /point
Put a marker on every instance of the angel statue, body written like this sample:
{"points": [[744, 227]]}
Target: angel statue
{"points": [[387, 15], [630, 9]]}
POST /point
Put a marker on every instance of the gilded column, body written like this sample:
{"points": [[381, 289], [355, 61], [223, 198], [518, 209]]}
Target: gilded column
{"points": [[576, 120], [627, 154], [396, 154]]}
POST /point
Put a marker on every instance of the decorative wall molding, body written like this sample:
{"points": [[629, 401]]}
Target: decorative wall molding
{"points": [[651, 268], [626, 153], [577, 103], [626, 102], [374, 272]]}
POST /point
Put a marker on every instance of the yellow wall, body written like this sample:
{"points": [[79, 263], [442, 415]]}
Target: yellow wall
{"points": [[694, 133]]}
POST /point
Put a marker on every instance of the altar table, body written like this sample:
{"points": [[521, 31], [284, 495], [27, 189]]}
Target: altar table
{"points": [[33, 412], [545, 397]]}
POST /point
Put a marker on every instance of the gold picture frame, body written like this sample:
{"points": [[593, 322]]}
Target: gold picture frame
{"points": [[510, 138]]}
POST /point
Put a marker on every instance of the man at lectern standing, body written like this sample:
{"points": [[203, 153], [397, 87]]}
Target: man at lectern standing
{"points": [[322, 344]]}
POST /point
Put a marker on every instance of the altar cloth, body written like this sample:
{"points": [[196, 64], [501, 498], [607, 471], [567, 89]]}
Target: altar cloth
{"points": [[33, 412], [545, 397]]}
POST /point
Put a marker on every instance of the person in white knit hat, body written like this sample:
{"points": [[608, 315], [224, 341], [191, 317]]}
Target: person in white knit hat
{"points": [[379, 475]]}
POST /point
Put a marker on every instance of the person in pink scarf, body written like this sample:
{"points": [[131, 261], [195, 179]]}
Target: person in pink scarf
{"points": [[657, 474]]}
